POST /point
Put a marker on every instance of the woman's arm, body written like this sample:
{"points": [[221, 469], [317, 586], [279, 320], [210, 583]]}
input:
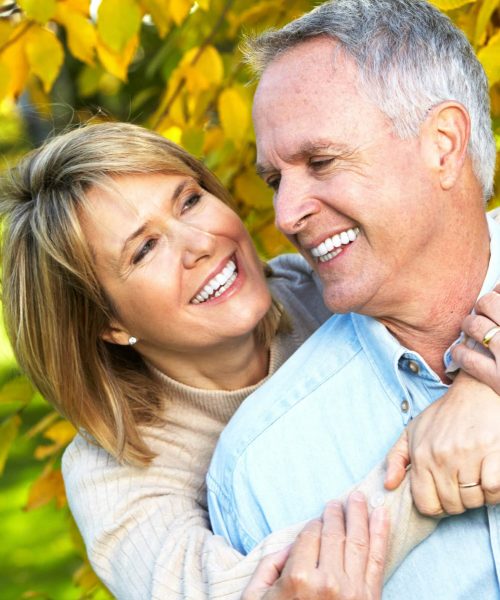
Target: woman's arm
{"points": [[148, 537]]}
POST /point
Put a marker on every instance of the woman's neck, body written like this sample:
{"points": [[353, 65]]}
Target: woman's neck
{"points": [[231, 366]]}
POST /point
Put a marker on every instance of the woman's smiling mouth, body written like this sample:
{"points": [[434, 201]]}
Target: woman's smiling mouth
{"points": [[218, 284]]}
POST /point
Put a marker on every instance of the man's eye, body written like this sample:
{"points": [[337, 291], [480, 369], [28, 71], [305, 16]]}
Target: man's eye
{"points": [[143, 251], [274, 182], [321, 163], [191, 201]]}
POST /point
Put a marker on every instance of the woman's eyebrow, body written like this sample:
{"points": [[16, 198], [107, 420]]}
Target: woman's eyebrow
{"points": [[140, 230]]}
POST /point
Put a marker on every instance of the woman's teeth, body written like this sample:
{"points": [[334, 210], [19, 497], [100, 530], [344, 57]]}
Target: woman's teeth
{"points": [[218, 284], [332, 246]]}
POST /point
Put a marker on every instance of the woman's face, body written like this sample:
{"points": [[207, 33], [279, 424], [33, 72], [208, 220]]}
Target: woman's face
{"points": [[177, 263]]}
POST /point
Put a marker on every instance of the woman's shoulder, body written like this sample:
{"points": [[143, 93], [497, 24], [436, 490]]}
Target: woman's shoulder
{"points": [[296, 285]]}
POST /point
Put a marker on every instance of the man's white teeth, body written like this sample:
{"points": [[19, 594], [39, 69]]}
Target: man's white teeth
{"points": [[218, 284], [332, 246]]}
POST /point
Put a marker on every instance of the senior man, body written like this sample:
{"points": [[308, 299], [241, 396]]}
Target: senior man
{"points": [[373, 128]]}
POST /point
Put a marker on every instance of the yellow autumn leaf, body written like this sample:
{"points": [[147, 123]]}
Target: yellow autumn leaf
{"points": [[118, 22], [202, 70], [450, 4], [80, 33], [117, 63], [45, 55], [489, 59], [483, 17], [179, 10], [234, 114], [61, 432], [43, 452], [159, 14], [38, 10], [172, 133], [8, 433], [81, 6], [49, 486], [250, 188], [6, 30], [4, 80], [204, 4], [85, 578], [14, 59]]}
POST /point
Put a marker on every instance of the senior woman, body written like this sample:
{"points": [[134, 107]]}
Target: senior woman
{"points": [[135, 302]]}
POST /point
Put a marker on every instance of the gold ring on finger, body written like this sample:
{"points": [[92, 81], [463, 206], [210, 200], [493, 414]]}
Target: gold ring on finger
{"points": [[469, 485], [489, 335]]}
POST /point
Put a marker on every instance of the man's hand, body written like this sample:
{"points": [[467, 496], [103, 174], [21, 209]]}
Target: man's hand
{"points": [[336, 558], [454, 442]]}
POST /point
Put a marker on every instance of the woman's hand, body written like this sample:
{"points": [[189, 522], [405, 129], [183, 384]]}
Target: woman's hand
{"points": [[483, 361], [340, 557], [454, 445]]}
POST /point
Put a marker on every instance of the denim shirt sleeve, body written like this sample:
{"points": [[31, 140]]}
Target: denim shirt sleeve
{"points": [[223, 518]]}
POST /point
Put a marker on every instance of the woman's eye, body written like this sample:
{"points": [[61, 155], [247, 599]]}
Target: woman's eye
{"points": [[144, 249], [191, 201]]}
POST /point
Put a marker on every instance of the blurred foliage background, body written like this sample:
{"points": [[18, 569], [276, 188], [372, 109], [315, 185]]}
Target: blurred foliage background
{"points": [[173, 66]]}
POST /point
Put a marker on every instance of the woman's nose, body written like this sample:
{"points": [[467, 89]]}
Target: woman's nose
{"points": [[197, 244]]}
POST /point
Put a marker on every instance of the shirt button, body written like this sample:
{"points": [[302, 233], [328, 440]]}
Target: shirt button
{"points": [[413, 366], [378, 499], [405, 406]]}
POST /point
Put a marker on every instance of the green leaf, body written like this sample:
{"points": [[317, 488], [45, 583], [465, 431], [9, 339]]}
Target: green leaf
{"points": [[118, 21], [39, 10], [18, 389], [8, 433]]}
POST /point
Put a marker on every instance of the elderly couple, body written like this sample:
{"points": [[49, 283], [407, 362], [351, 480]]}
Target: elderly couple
{"points": [[136, 303]]}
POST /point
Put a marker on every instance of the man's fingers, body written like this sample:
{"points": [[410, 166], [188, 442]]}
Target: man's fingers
{"points": [[397, 461], [490, 478], [304, 554], [357, 542], [333, 536], [379, 539], [265, 575]]}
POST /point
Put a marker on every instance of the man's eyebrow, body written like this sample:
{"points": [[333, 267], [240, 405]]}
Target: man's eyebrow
{"points": [[140, 230], [304, 152]]}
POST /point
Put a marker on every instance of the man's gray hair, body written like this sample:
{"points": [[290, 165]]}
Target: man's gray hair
{"points": [[410, 58]]}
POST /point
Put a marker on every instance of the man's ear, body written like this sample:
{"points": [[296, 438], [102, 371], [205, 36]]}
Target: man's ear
{"points": [[446, 134], [115, 334]]}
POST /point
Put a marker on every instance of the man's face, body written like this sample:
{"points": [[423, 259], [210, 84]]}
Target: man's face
{"points": [[357, 201]]}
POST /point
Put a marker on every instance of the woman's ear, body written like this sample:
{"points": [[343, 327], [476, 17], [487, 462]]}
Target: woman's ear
{"points": [[114, 334], [447, 132]]}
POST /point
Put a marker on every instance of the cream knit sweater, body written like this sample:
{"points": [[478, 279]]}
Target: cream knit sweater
{"points": [[146, 529]]}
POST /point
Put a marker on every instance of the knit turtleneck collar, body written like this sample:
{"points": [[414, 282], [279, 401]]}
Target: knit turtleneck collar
{"points": [[219, 404]]}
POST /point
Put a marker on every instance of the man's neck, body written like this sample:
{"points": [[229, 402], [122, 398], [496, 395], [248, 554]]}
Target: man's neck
{"points": [[430, 319]]}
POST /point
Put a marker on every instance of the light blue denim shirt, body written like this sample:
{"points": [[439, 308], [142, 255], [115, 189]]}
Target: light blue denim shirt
{"points": [[319, 425]]}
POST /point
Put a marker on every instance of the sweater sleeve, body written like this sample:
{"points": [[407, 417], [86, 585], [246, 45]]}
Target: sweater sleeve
{"points": [[148, 537]]}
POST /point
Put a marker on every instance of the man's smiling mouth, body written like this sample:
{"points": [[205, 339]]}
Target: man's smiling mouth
{"points": [[333, 246]]}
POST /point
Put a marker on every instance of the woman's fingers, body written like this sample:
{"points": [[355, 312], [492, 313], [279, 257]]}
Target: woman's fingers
{"points": [[304, 554]]}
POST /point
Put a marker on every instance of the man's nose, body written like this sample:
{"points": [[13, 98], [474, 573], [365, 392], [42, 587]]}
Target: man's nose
{"points": [[197, 245], [294, 205]]}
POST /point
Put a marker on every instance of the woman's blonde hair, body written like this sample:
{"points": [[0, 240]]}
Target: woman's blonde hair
{"points": [[54, 307]]}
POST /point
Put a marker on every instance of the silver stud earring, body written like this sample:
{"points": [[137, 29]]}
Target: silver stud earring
{"points": [[132, 340]]}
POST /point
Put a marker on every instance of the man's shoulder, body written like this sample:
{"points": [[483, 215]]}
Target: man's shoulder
{"points": [[323, 355]]}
